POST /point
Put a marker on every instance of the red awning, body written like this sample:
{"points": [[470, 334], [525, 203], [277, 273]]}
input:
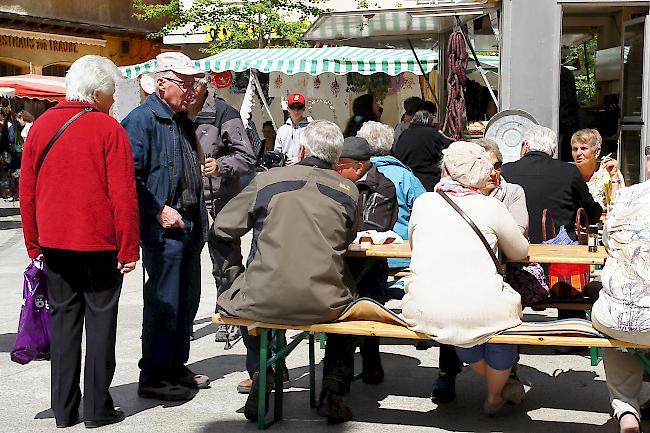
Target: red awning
{"points": [[36, 86]]}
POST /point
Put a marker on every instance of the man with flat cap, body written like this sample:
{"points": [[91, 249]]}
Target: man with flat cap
{"points": [[377, 210]]}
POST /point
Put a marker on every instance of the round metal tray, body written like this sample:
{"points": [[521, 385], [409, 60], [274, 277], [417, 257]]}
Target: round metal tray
{"points": [[506, 128]]}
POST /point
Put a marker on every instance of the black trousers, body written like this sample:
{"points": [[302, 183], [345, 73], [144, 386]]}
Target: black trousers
{"points": [[82, 286]]}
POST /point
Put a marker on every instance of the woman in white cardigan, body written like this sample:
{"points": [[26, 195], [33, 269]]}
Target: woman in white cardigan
{"points": [[456, 294]]}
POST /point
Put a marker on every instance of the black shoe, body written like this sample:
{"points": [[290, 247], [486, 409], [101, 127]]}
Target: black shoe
{"points": [[252, 402], [191, 380], [114, 416], [66, 424], [444, 390], [165, 391], [331, 406]]}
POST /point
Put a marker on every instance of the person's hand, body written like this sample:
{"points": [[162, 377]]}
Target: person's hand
{"points": [[292, 161], [210, 167], [169, 218], [125, 268], [611, 165], [39, 257]]}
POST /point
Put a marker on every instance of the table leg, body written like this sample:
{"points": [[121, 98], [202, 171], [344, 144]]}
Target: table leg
{"points": [[312, 372], [261, 402]]}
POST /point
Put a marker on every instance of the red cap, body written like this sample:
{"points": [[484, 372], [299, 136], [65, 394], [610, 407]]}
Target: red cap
{"points": [[296, 98]]}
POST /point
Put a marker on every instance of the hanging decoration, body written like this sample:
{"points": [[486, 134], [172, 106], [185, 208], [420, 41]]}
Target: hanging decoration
{"points": [[221, 80], [317, 82], [457, 65], [396, 83], [278, 81], [335, 87]]}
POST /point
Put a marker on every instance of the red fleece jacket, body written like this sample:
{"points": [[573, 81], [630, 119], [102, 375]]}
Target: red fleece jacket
{"points": [[85, 197]]}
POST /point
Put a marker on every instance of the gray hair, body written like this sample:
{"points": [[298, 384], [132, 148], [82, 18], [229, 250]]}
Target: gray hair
{"points": [[490, 146], [323, 140], [423, 117], [379, 136], [88, 74], [541, 139]]}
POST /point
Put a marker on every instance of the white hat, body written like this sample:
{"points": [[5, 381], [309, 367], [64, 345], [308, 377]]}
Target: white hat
{"points": [[176, 62], [467, 163]]}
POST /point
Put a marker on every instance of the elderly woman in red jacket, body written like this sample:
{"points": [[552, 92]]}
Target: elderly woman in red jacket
{"points": [[80, 216]]}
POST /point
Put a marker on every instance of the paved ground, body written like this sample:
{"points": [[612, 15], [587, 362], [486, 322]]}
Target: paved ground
{"points": [[566, 394]]}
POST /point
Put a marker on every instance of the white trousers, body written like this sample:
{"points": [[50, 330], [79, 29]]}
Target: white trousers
{"points": [[624, 374]]}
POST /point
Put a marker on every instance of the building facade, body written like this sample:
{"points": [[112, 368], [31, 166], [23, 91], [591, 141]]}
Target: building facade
{"points": [[46, 36]]}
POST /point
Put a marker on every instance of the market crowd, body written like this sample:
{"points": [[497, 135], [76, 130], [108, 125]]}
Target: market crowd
{"points": [[176, 174]]}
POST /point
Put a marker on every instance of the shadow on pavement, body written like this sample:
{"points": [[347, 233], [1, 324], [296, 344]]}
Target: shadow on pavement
{"points": [[126, 396], [8, 225], [9, 211], [392, 403], [7, 341]]}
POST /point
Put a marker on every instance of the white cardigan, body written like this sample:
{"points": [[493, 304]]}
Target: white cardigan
{"points": [[455, 293]]}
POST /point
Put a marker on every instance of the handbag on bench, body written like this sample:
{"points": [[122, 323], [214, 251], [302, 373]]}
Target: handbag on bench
{"points": [[566, 280]]}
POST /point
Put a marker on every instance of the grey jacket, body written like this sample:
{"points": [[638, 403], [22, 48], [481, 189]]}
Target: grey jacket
{"points": [[303, 219], [222, 135]]}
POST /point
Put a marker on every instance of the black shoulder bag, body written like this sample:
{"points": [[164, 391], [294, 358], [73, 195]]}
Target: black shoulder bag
{"points": [[476, 230], [50, 143]]}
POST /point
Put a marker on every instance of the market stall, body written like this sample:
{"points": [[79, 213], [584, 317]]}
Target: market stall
{"points": [[324, 75]]}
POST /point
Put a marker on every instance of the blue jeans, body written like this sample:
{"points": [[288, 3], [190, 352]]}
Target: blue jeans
{"points": [[497, 356], [171, 300]]}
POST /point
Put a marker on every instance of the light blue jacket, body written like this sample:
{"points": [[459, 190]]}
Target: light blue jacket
{"points": [[408, 188]]}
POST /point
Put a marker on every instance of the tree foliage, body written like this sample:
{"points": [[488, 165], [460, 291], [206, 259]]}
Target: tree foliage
{"points": [[238, 24], [583, 58]]}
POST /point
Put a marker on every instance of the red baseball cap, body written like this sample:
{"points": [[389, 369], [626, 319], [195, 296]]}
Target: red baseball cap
{"points": [[296, 98]]}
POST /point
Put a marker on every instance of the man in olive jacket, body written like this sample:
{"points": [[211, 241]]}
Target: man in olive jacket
{"points": [[303, 219]]}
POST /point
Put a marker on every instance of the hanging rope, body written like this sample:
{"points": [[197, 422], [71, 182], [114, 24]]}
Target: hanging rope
{"points": [[457, 66]]}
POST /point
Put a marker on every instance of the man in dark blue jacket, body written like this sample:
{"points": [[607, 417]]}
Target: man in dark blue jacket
{"points": [[173, 228]]}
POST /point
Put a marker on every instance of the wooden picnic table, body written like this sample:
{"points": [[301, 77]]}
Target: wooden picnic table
{"points": [[541, 253]]}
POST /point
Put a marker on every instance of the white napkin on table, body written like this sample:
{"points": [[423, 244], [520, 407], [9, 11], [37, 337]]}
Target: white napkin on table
{"points": [[377, 238]]}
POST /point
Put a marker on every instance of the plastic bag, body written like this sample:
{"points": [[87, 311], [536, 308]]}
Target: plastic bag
{"points": [[33, 339]]}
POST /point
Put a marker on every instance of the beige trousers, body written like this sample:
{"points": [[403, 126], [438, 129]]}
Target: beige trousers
{"points": [[624, 374]]}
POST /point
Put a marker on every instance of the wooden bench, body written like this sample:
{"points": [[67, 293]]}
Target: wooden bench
{"points": [[373, 329]]}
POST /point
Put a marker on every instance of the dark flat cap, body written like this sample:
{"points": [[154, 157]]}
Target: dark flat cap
{"points": [[356, 148]]}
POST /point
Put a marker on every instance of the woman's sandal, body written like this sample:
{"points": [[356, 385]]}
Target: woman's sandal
{"points": [[627, 430]]}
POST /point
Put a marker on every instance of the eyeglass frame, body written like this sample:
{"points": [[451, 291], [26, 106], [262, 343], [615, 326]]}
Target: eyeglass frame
{"points": [[340, 165], [183, 84], [297, 107]]}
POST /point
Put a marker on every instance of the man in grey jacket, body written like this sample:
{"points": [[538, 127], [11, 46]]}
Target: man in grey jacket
{"points": [[303, 219], [228, 156]]}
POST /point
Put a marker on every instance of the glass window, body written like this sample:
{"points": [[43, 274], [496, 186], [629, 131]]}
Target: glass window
{"points": [[56, 70]]}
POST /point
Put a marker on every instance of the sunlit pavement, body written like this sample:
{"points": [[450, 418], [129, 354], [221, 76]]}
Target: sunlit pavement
{"points": [[567, 394]]}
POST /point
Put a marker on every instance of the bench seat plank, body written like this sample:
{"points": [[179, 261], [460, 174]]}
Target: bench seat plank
{"points": [[377, 329]]}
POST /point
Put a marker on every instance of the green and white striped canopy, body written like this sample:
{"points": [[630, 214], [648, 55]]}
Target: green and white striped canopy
{"points": [[313, 61]]}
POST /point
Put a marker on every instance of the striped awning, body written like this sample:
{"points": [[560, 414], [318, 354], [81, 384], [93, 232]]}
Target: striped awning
{"points": [[313, 61], [36, 86]]}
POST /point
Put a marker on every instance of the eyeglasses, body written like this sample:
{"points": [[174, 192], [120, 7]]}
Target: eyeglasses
{"points": [[296, 107], [647, 151], [343, 165], [184, 84], [497, 165]]}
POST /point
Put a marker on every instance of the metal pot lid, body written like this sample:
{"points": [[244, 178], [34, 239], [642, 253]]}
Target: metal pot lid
{"points": [[507, 128]]}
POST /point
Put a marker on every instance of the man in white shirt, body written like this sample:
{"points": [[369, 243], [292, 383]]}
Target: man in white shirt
{"points": [[288, 136]]}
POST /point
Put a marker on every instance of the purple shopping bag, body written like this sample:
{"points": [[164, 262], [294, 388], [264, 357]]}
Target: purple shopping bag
{"points": [[33, 339]]}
